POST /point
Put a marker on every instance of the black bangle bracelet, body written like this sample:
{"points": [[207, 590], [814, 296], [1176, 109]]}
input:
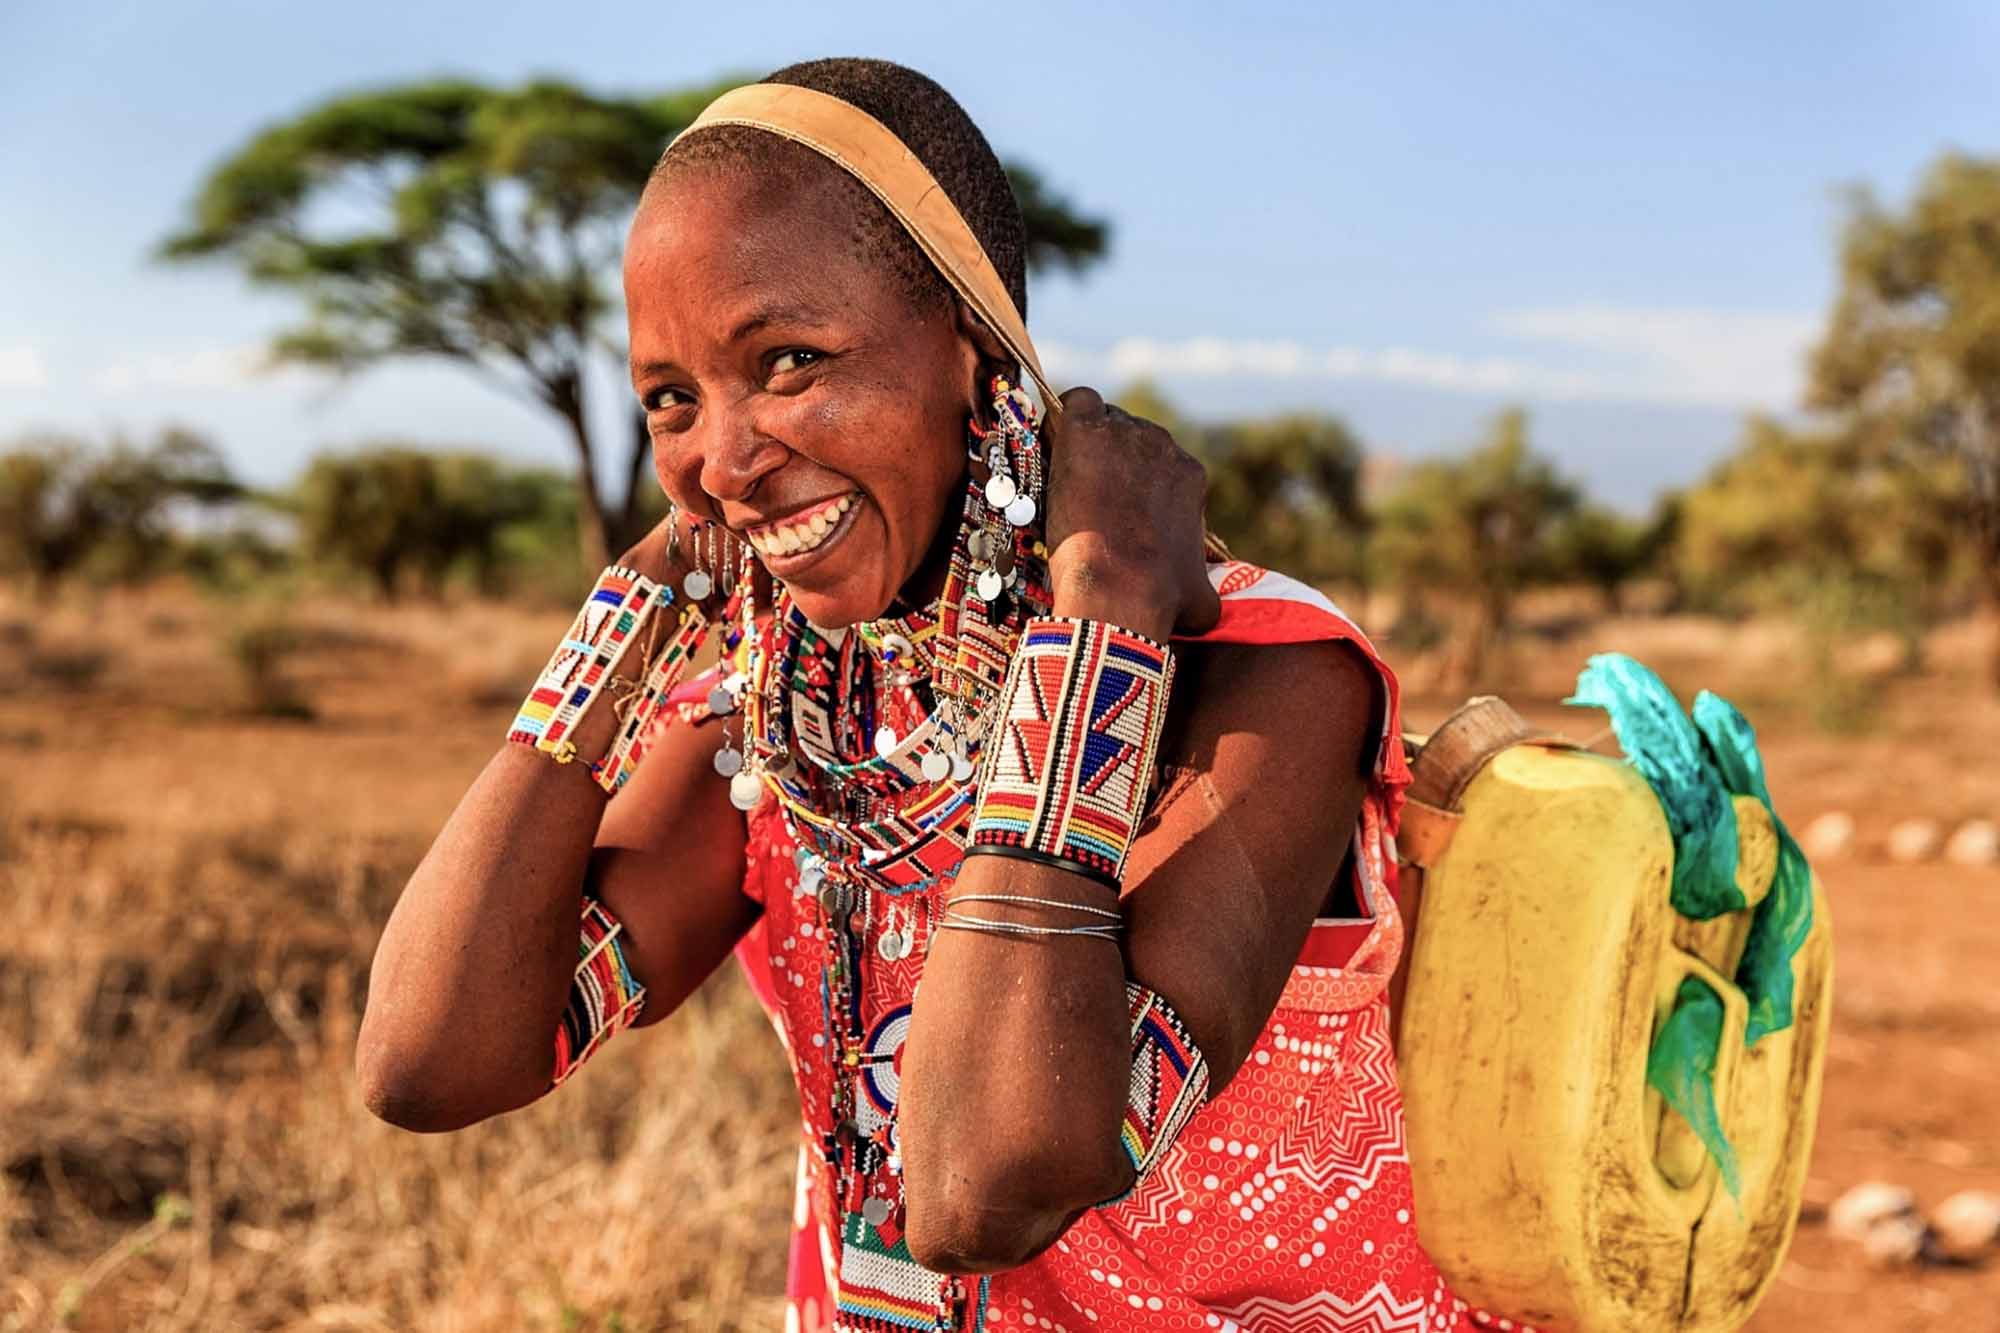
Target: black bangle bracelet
{"points": [[1043, 859]]}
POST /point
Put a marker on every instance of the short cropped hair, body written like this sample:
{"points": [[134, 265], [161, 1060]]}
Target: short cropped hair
{"points": [[932, 124]]}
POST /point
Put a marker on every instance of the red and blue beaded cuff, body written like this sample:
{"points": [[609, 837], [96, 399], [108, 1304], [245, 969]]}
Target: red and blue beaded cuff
{"points": [[1071, 755], [604, 996], [1169, 1081]]}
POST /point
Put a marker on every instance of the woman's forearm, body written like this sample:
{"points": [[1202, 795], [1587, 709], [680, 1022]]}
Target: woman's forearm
{"points": [[1020, 1053], [474, 965], [1015, 1077]]}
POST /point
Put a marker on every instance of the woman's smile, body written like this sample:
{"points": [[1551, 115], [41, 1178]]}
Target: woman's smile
{"points": [[802, 539]]}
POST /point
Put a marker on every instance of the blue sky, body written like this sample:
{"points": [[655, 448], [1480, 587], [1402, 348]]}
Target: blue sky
{"points": [[1410, 216]]}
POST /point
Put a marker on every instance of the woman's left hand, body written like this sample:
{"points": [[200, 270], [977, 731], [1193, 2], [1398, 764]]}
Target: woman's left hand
{"points": [[1124, 526]]}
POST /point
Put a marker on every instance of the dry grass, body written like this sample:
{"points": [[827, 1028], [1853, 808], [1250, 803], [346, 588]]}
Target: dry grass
{"points": [[182, 1147], [186, 938], [190, 892]]}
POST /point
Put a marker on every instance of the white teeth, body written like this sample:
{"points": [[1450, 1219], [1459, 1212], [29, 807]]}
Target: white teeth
{"points": [[796, 537]]}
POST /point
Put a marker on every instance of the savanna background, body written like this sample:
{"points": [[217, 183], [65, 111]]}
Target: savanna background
{"points": [[1525, 340]]}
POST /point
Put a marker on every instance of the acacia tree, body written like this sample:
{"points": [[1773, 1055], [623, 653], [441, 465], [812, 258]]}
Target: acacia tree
{"points": [[1478, 527], [1910, 360], [483, 227]]}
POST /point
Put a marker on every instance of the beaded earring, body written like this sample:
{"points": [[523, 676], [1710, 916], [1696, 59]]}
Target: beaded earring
{"points": [[699, 583], [746, 779], [1012, 444], [1012, 452]]}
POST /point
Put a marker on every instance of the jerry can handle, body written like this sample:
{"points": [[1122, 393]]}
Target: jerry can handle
{"points": [[1683, 1161]]}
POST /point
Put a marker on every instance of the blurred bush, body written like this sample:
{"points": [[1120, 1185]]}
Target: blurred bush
{"points": [[258, 648], [1909, 367], [67, 507], [1286, 493], [1479, 528], [1819, 501], [399, 516]]}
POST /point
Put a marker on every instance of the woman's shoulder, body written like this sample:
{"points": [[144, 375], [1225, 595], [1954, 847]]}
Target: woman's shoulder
{"points": [[1285, 660], [1265, 606]]}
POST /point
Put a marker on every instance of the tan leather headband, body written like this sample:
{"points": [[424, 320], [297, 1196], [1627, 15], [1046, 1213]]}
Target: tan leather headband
{"points": [[870, 152]]}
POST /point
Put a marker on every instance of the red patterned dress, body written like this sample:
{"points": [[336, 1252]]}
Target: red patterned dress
{"points": [[1285, 1204]]}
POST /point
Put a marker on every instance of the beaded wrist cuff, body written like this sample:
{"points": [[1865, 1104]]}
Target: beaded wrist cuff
{"points": [[1169, 1080], [585, 658], [1071, 754], [622, 602], [604, 996], [635, 734]]}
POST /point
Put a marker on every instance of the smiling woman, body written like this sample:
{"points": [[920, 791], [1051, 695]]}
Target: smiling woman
{"points": [[994, 713]]}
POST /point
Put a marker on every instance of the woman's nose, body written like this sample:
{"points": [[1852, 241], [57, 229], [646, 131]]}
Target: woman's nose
{"points": [[738, 458]]}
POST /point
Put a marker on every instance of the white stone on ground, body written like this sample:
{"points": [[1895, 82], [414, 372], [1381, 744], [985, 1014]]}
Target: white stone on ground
{"points": [[1894, 1241], [1866, 1206], [1967, 1225], [1976, 843], [1914, 840], [1828, 837]]}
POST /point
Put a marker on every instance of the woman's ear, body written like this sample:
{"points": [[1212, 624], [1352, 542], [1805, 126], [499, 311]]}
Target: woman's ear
{"points": [[983, 356]]}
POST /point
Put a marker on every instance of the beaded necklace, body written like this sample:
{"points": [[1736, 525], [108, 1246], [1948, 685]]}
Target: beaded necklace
{"points": [[869, 740]]}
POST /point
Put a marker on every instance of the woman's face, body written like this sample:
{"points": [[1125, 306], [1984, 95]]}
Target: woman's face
{"points": [[793, 390]]}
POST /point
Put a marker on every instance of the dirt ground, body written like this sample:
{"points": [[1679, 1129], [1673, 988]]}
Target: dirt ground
{"points": [[171, 1159]]}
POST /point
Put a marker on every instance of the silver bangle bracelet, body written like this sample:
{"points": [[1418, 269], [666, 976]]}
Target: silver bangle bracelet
{"points": [[1023, 898], [960, 921]]}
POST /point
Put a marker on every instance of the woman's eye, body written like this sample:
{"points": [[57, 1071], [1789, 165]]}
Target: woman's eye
{"points": [[794, 358], [661, 399]]}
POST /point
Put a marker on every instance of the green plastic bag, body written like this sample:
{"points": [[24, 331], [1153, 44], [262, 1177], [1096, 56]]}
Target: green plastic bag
{"points": [[1695, 765], [1669, 752], [1682, 1066]]}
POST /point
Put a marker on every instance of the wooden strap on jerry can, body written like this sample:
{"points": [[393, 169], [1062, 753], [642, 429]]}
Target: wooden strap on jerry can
{"points": [[1445, 762]]}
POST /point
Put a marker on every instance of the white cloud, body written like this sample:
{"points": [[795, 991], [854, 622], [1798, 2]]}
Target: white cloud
{"points": [[1218, 358], [1712, 358], [1730, 358], [196, 366], [22, 367]]}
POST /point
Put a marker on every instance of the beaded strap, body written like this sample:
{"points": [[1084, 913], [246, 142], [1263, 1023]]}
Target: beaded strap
{"points": [[621, 601], [635, 735], [1169, 1081], [1072, 752], [604, 996]]}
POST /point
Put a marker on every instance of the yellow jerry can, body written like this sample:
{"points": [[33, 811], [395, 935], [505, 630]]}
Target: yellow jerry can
{"points": [[1554, 1186]]}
